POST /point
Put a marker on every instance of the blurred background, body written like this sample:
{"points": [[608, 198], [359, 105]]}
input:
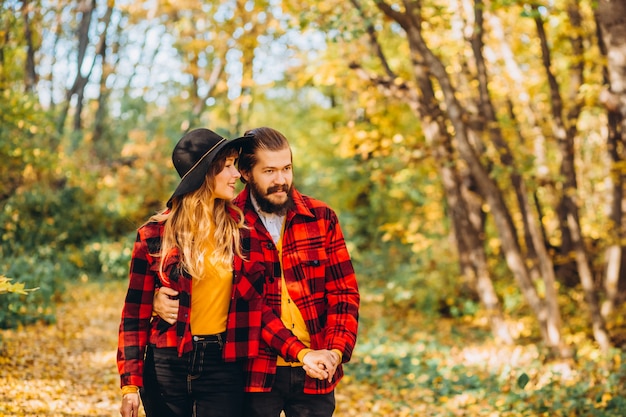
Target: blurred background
{"points": [[474, 151]]}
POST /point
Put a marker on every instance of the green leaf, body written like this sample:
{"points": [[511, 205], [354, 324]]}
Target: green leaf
{"points": [[523, 380]]}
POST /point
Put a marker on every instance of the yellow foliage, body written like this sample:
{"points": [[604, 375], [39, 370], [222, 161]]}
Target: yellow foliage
{"points": [[6, 286]]}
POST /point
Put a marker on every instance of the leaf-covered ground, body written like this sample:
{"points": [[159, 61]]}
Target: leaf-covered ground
{"points": [[404, 365], [68, 368]]}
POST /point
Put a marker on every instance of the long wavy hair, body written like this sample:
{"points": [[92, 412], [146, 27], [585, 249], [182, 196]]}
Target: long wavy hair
{"points": [[197, 218]]}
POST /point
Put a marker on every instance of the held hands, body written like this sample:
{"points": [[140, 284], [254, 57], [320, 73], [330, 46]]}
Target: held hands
{"points": [[321, 364], [164, 305], [130, 405]]}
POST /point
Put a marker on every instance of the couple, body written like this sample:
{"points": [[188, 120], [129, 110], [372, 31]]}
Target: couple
{"points": [[275, 301]]}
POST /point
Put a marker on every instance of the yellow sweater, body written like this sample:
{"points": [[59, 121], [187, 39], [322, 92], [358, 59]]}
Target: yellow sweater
{"points": [[210, 299]]}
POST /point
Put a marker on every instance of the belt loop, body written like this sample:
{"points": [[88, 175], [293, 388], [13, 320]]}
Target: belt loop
{"points": [[220, 340]]}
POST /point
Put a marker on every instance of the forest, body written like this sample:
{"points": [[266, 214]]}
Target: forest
{"points": [[474, 150]]}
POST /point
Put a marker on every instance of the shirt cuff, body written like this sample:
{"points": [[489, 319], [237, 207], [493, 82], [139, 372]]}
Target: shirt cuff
{"points": [[302, 353], [338, 352], [130, 389]]}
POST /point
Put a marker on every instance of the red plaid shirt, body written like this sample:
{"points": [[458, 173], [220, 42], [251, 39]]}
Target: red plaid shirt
{"points": [[138, 327], [320, 278]]}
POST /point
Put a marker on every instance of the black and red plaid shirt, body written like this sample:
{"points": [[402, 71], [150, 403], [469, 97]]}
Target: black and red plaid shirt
{"points": [[320, 279], [138, 327]]}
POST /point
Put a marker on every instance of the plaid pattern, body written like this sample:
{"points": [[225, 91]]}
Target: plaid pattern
{"points": [[320, 279], [138, 327]]}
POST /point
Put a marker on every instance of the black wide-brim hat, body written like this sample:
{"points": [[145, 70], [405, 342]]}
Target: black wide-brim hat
{"points": [[193, 155]]}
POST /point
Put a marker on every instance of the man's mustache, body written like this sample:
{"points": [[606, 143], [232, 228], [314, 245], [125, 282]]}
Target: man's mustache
{"points": [[276, 189]]}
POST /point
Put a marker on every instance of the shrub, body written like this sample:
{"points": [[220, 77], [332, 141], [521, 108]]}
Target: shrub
{"points": [[48, 239], [47, 276]]}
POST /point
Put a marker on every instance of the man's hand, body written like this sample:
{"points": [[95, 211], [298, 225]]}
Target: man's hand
{"points": [[165, 305], [321, 364], [130, 405]]}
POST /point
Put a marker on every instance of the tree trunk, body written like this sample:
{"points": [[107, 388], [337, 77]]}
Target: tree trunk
{"points": [[5, 29], [199, 101], [470, 245], [86, 8], [467, 230], [30, 76], [411, 23], [611, 21], [565, 132], [108, 68], [536, 250]]}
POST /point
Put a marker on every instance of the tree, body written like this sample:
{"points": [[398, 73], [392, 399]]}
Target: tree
{"points": [[478, 116], [612, 35]]}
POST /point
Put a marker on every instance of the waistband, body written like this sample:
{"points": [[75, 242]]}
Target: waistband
{"points": [[215, 338]]}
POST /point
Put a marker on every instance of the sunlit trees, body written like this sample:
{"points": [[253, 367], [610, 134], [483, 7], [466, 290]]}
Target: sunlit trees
{"points": [[466, 144], [506, 96]]}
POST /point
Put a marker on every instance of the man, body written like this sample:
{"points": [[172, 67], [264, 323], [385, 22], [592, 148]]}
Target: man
{"points": [[310, 317]]}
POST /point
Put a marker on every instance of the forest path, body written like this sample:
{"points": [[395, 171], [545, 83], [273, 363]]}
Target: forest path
{"points": [[67, 368]]}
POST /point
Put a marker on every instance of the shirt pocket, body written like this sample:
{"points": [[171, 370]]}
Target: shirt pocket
{"points": [[311, 270], [250, 280]]}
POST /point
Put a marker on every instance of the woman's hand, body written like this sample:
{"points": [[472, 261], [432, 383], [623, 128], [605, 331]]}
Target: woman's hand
{"points": [[130, 405]]}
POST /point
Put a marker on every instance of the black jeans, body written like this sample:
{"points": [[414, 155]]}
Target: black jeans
{"points": [[288, 395], [198, 384]]}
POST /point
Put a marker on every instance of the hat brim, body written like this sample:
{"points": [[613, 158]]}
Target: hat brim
{"points": [[194, 178]]}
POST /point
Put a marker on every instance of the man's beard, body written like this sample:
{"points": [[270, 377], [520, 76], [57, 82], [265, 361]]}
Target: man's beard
{"points": [[266, 205]]}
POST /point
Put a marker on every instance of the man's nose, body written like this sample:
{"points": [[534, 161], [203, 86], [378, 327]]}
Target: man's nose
{"points": [[280, 178]]}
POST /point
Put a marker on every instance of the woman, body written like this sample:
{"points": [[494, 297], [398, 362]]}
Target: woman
{"points": [[192, 367]]}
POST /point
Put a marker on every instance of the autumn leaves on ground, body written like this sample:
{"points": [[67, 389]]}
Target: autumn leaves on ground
{"points": [[65, 369], [403, 366]]}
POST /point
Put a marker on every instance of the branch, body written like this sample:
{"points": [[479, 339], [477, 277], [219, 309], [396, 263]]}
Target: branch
{"points": [[400, 18], [371, 31], [393, 86]]}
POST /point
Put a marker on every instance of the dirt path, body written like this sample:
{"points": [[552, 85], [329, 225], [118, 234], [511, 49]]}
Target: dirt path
{"points": [[65, 369], [68, 368]]}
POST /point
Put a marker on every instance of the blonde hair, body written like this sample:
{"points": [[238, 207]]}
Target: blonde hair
{"points": [[197, 219]]}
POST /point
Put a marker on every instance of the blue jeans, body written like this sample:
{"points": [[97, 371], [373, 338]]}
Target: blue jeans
{"points": [[288, 395], [198, 384]]}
